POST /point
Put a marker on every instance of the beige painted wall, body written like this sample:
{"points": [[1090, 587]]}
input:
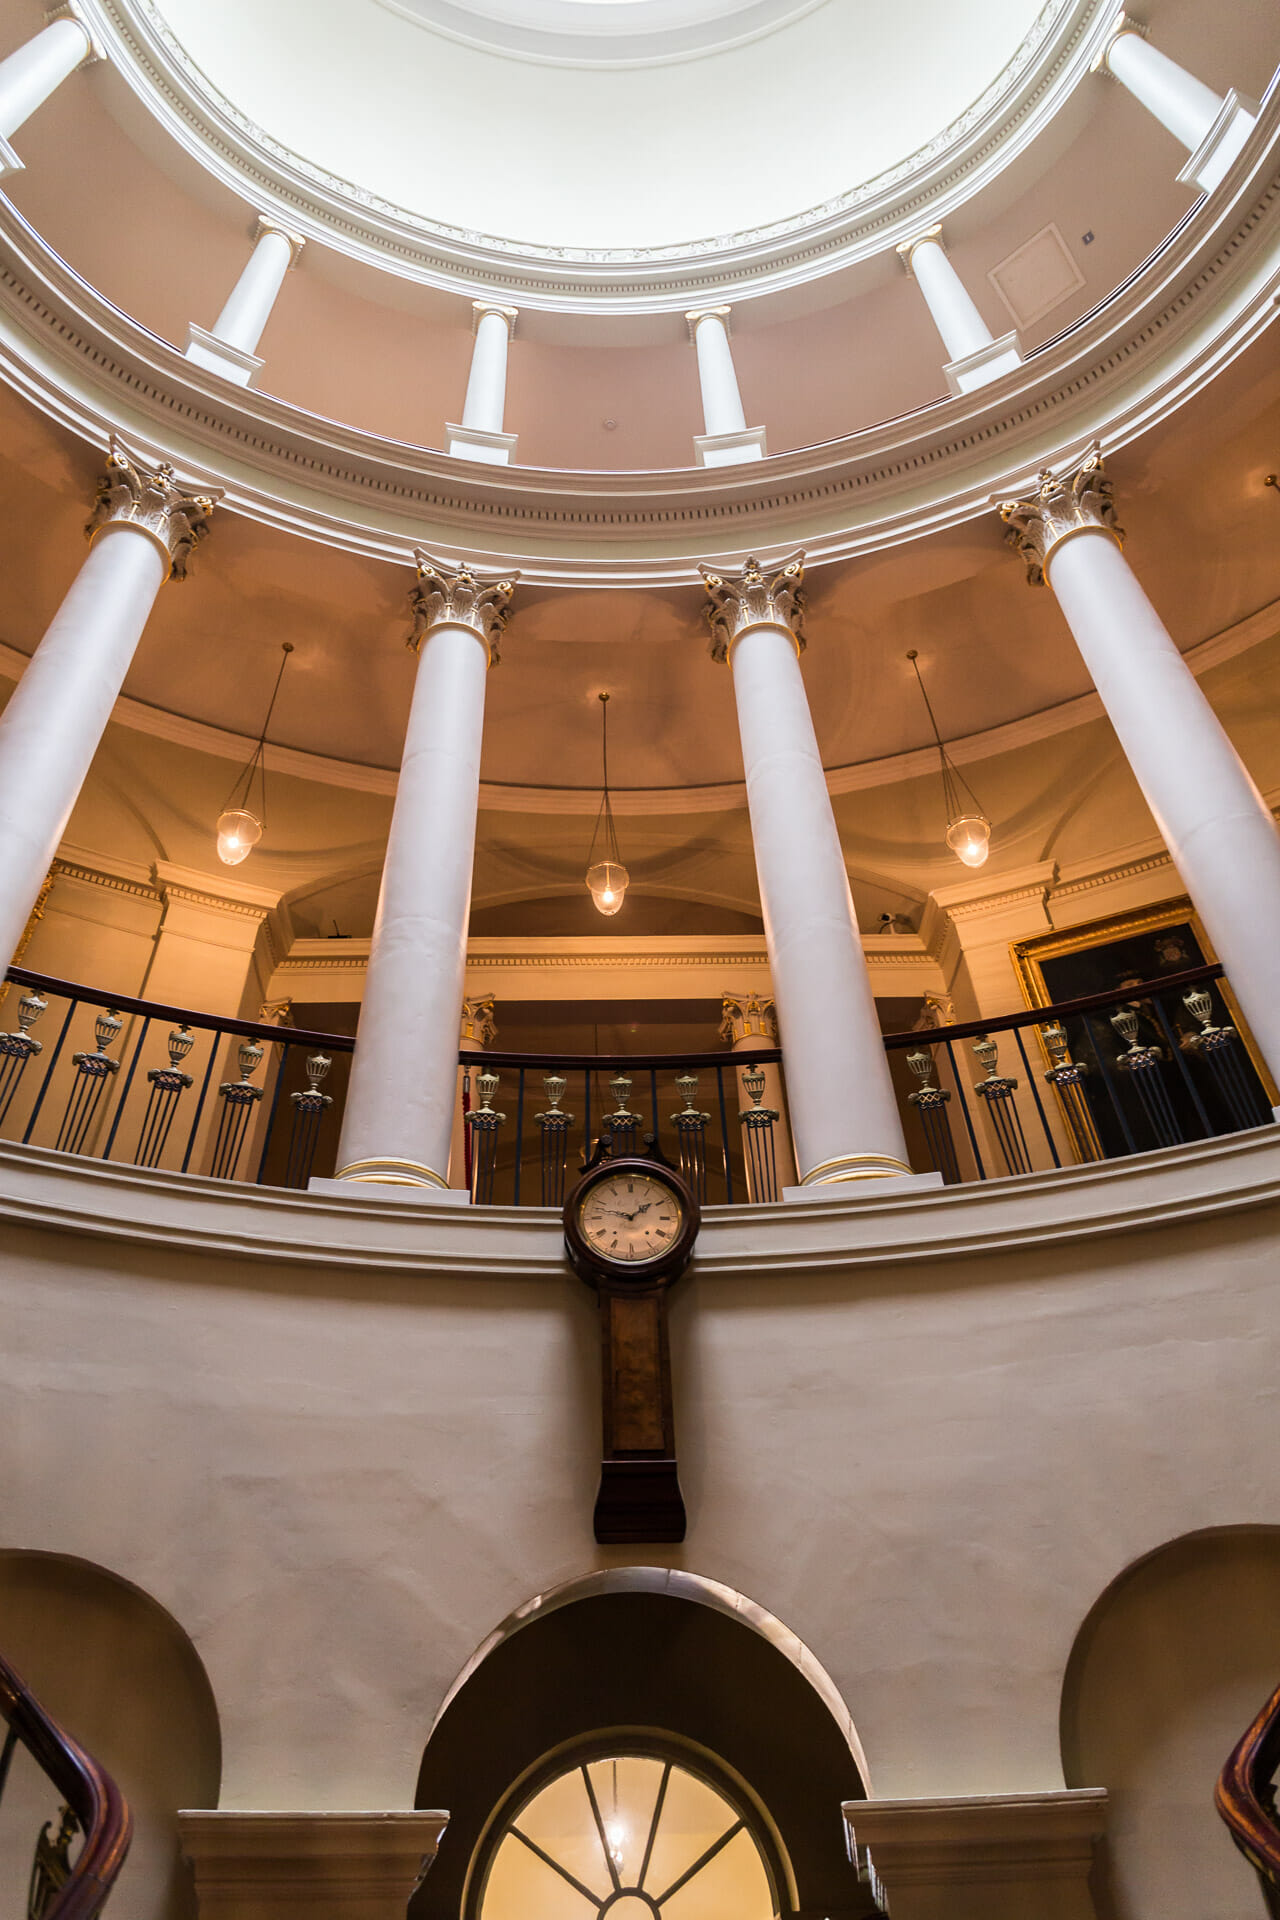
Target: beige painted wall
{"points": [[340, 1472]]}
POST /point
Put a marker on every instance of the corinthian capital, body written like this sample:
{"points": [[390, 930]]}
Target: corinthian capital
{"points": [[748, 1016], [149, 498], [1062, 505], [449, 594], [758, 596]]}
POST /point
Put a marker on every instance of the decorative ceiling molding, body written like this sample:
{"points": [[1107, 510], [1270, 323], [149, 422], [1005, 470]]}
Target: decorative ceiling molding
{"points": [[868, 219], [1201, 299], [568, 33]]}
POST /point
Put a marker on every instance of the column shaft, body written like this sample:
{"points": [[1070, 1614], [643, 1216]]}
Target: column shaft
{"points": [[721, 402], [486, 400], [399, 1111], [1178, 100], [1215, 823], [957, 319], [404, 1074], [50, 730], [248, 308], [30, 75], [844, 1114]]}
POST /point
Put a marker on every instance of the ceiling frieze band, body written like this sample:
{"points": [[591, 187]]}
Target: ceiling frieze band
{"points": [[1199, 301], [948, 170]]}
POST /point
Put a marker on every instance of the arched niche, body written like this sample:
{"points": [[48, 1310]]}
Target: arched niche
{"points": [[1170, 1666], [670, 1656], [120, 1675]]}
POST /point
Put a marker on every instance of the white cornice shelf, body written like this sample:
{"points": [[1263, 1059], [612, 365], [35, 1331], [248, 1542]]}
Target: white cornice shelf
{"points": [[1174, 1186], [1199, 302]]}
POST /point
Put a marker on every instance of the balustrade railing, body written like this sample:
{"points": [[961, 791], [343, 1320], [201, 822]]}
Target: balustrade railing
{"points": [[1156, 1064], [115, 1078], [64, 1824]]}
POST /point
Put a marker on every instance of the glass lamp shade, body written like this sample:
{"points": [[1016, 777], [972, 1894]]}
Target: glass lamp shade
{"points": [[238, 833], [607, 883], [969, 838]]}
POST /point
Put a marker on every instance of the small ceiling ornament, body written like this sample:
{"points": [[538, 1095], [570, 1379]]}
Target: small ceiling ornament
{"points": [[968, 829], [607, 879], [239, 828]]}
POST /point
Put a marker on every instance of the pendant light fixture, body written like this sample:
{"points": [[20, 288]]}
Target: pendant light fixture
{"points": [[607, 878], [968, 829], [239, 828]]}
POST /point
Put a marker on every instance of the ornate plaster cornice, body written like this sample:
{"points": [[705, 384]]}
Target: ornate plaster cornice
{"points": [[1207, 293], [1055, 56]]}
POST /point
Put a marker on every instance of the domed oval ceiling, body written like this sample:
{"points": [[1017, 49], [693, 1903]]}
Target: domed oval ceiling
{"points": [[621, 125]]}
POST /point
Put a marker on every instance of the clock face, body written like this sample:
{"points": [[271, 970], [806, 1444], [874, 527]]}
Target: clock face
{"points": [[630, 1216]]}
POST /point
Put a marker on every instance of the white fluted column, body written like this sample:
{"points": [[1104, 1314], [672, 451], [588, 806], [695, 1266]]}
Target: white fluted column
{"points": [[977, 356], [228, 347], [480, 435], [404, 1074], [726, 438], [1213, 128], [1215, 823], [143, 529], [36, 70], [844, 1115]]}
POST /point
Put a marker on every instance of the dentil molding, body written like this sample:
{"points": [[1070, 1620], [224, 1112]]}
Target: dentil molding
{"points": [[869, 218]]}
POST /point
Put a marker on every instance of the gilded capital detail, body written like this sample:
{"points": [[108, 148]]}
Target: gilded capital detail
{"points": [[758, 596], [478, 1026], [149, 498], [749, 1016], [449, 594], [265, 224], [1063, 505]]}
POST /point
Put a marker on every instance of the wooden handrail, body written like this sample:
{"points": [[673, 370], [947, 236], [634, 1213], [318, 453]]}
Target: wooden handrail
{"points": [[1244, 1798], [87, 1789]]}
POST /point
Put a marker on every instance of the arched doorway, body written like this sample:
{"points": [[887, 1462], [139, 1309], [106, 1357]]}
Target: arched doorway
{"points": [[655, 1670]]}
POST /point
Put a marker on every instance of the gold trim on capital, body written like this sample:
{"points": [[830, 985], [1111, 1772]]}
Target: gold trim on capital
{"points": [[748, 1016], [695, 314], [132, 494], [479, 308], [297, 241], [848, 1167], [1077, 501], [381, 1172], [1121, 24], [451, 594], [770, 595], [907, 247]]}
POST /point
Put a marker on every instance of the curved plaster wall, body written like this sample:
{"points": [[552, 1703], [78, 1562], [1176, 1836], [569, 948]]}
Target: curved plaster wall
{"points": [[349, 1439]]}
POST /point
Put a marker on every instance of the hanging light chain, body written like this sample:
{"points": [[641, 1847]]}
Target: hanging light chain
{"points": [[257, 759]]}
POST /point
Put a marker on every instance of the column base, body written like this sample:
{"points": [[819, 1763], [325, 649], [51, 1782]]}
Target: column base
{"points": [[381, 1170], [1213, 157], [478, 443], [985, 364], [865, 1187], [384, 1190], [216, 356], [729, 449], [985, 1857], [330, 1866], [9, 161]]}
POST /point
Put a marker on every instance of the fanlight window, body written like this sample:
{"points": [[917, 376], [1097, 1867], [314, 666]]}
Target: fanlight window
{"points": [[628, 1837]]}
